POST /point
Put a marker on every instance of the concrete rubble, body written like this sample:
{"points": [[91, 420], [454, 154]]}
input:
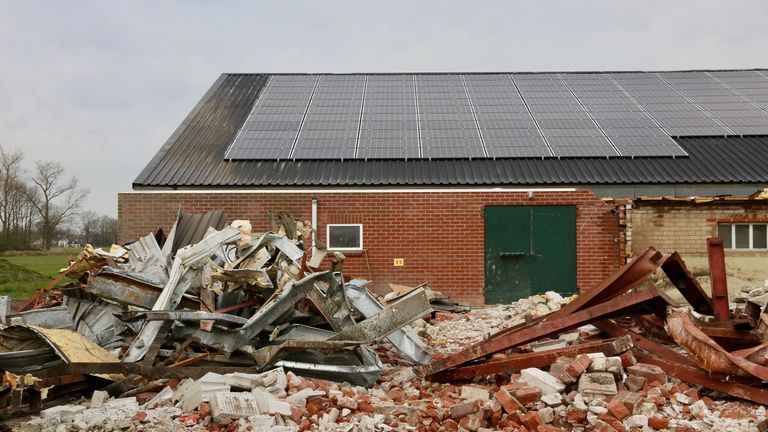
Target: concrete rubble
{"points": [[219, 328], [403, 402]]}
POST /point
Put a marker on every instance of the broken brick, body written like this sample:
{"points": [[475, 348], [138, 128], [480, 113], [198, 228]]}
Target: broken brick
{"points": [[347, 402], [658, 423], [365, 407], [601, 426], [531, 420], [628, 359], [634, 383], [575, 416], [549, 428], [528, 395], [575, 368], [692, 393], [509, 402], [297, 413], [464, 409], [630, 399], [451, 425], [617, 409], [396, 394], [648, 371]]}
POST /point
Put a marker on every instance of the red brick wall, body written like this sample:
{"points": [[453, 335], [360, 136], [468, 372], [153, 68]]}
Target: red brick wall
{"points": [[439, 234]]}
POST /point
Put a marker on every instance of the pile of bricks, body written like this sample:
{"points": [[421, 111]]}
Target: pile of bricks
{"points": [[590, 392], [587, 392]]}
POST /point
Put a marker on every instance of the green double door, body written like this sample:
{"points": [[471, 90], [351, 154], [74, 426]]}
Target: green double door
{"points": [[529, 250]]}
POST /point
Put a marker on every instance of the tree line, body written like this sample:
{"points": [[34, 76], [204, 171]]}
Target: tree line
{"points": [[42, 207]]}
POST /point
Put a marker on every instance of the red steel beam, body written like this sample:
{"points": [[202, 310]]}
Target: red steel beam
{"points": [[697, 376], [709, 354], [662, 351], [676, 271], [716, 254], [629, 276], [517, 362], [620, 306]]}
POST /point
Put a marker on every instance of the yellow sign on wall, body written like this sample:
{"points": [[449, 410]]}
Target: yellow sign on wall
{"points": [[399, 262]]}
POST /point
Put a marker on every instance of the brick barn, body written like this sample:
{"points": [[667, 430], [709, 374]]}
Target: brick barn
{"points": [[489, 186]]}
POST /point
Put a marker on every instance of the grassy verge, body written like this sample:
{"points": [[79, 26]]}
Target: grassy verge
{"points": [[22, 275], [19, 282]]}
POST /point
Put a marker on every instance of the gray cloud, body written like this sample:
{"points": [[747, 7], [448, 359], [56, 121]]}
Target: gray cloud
{"points": [[100, 85]]}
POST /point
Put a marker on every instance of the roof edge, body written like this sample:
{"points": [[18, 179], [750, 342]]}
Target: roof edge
{"points": [[153, 163], [496, 72]]}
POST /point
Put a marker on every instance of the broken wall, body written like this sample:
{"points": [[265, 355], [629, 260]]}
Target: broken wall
{"points": [[685, 226], [438, 234]]}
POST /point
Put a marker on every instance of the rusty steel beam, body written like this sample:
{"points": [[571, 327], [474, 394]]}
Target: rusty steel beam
{"points": [[727, 333], [640, 341], [708, 353], [638, 302], [676, 271], [697, 376], [517, 362], [716, 256], [654, 326], [629, 276], [660, 350], [40, 294]]}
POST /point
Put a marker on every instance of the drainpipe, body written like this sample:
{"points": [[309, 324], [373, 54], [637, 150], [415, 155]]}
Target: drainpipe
{"points": [[314, 222]]}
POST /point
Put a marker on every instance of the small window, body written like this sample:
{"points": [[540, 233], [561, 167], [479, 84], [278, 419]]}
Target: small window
{"points": [[344, 236], [743, 235]]}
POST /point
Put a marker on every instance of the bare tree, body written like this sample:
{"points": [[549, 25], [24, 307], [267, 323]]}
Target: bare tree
{"points": [[11, 186], [22, 216], [106, 234], [54, 198], [89, 224]]}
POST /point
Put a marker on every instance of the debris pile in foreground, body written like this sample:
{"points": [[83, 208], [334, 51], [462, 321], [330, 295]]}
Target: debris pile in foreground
{"points": [[591, 391], [217, 328]]}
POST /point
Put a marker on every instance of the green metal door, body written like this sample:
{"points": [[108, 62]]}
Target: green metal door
{"points": [[529, 250]]}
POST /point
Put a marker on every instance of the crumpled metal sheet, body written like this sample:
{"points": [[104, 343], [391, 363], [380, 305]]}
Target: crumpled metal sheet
{"points": [[146, 257], [71, 346], [128, 288], [405, 339], [709, 355], [358, 366], [231, 292]]}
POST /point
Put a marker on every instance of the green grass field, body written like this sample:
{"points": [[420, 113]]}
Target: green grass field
{"points": [[22, 275]]}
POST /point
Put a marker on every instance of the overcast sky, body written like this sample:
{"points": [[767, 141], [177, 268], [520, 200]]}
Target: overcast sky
{"points": [[99, 86]]}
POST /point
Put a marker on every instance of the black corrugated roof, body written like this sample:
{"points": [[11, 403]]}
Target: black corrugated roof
{"points": [[194, 157]]}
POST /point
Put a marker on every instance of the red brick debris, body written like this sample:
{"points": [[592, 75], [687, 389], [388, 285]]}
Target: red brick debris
{"points": [[401, 401]]}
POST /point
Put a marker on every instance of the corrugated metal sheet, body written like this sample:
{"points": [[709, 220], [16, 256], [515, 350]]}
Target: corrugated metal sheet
{"points": [[194, 157]]}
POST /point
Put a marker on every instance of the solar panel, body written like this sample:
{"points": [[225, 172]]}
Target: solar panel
{"points": [[452, 152], [518, 152], [497, 115], [584, 151], [388, 152]]}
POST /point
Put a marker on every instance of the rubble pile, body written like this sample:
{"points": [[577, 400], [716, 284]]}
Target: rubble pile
{"points": [[752, 293], [209, 297], [215, 327], [588, 392], [449, 332]]}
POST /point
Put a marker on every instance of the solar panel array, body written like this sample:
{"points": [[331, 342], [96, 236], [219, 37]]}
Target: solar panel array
{"points": [[412, 116]]}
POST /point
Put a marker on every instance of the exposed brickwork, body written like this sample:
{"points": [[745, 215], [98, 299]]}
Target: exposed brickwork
{"points": [[684, 227], [440, 235]]}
